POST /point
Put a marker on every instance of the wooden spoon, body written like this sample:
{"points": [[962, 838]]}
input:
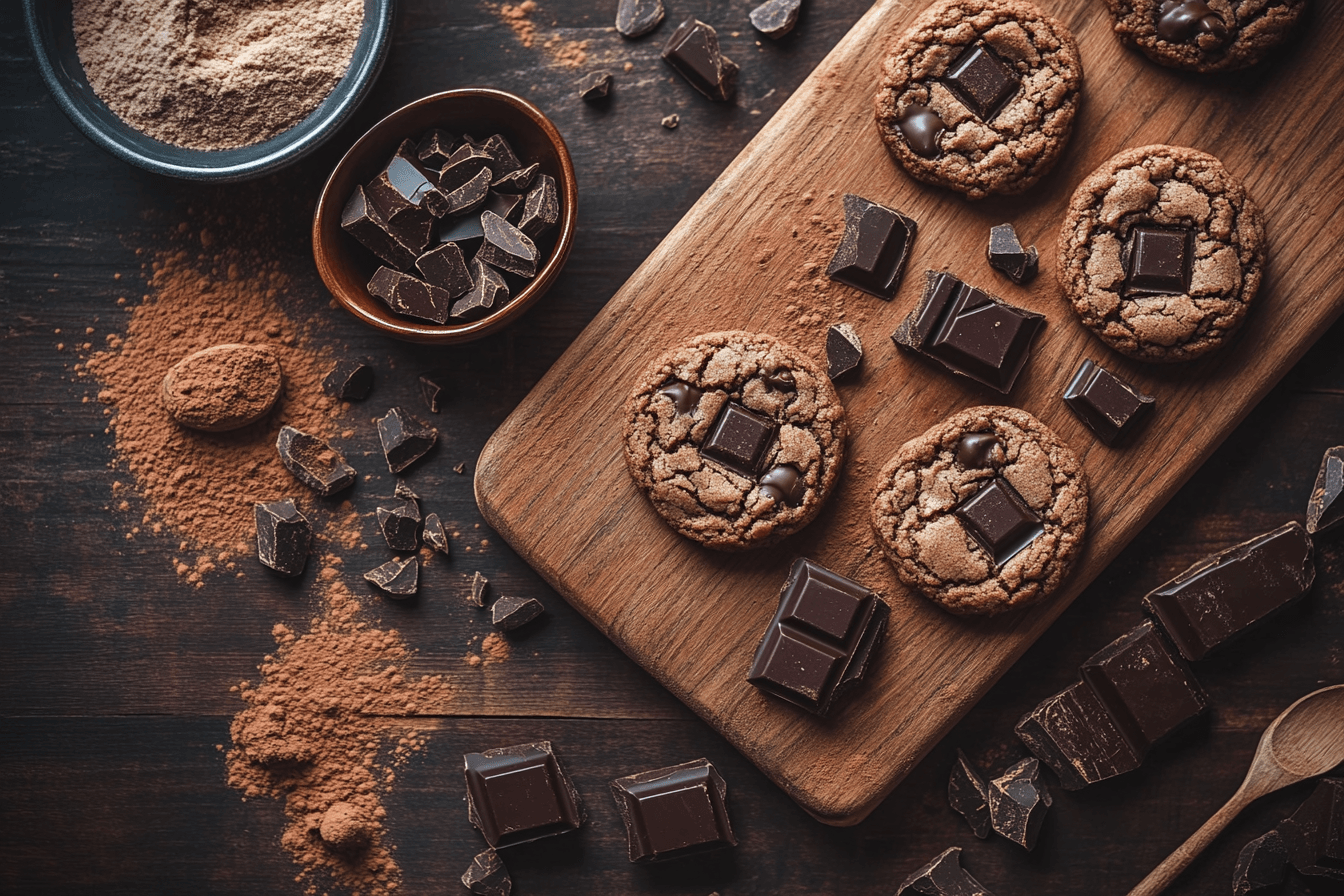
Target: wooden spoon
{"points": [[1307, 739]]}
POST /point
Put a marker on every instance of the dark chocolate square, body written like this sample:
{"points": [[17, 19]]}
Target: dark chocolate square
{"points": [[1159, 260], [872, 253], [998, 518], [1074, 734], [516, 794], [672, 812], [1110, 407], [982, 81], [739, 439]]}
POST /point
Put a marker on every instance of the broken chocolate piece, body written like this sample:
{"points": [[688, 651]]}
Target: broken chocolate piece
{"points": [[968, 795], [364, 222], [399, 578], [349, 380], [1158, 261], [518, 794], [313, 462], [1325, 509], [541, 209], [872, 253], [921, 127], [471, 195], [464, 164], [1109, 406], [509, 613], [999, 519], [443, 266], [489, 294], [284, 537], [502, 157], [671, 121], [739, 439], [1006, 255], [516, 181], [487, 875], [435, 149], [1262, 865], [431, 390], [673, 812], [1314, 834], [1018, 801], [784, 484], [983, 81], [506, 247], [411, 296], [944, 876], [403, 185], [980, 451], [844, 350], [400, 525], [775, 18], [821, 639], [636, 18], [594, 86], [479, 587], [684, 397], [436, 536], [1074, 734], [970, 332], [460, 467], [1223, 596], [693, 52], [405, 439]]}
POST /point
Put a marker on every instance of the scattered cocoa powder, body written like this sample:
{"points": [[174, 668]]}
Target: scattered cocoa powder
{"points": [[516, 17], [563, 52]]}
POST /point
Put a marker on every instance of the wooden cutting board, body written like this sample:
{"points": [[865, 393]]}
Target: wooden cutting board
{"points": [[751, 255]]}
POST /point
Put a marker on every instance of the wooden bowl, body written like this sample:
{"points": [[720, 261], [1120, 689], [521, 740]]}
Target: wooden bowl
{"points": [[346, 266]]}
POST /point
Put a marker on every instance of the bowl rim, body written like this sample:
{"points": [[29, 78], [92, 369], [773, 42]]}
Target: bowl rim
{"points": [[447, 334], [277, 152]]}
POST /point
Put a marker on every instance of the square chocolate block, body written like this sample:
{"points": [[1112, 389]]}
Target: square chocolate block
{"points": [[739, 439], [1109, 406], [982, 81], [872, 253], [998, 518], [672, 812], [821, 638], [1159, 261], [517, 794]]}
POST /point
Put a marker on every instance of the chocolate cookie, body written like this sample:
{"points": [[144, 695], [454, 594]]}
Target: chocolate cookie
{"points": [[979, 95], [983, 513], [1161, 253], [1205, 35], [737, 439]]}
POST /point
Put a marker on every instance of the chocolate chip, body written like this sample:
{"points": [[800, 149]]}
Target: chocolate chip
{"points": [[921, 128], [431, 390], [684, 397], [400, 525], [1157, 261], [480, 586], [313, 462], [443, 266], [982, 81], [876, 243], [944, 876], [489, 293], [1181, 21], [399, 578], [1110, 407], [364, 222], [411, 296], [284, 537], [541, 209], [405, 439], [506, 247], [594, 86], [739, 439], [516, 181], [998, 518], [487, 876], [781, 380], [784, 484], [1018, 802], [775, 18], [693, 52], [968, 795], [980, 451], [509, 613], [1006, 255], [349, 380], [1325, 508], [436, 536], [1262, 866], [636, 18], [435, 149]]}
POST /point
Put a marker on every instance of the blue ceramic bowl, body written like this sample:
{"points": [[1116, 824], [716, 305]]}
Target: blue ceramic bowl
{"points": [[51, 33]]}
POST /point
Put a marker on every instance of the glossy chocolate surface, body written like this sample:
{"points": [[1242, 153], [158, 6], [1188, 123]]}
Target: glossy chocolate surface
{"points": [[673, 812], [313, 462], [1110, 407], [405, 439], [1073, 733], [693, 51], [636, 18], [921, 127], [968, 795], [844, 350], [684, 396], [1158, 261], [979, 451], [284, 537], [998, 518], [739, 439], [873, 251], [1018, 803], [519, 793], [1325, 508], [1006, 255], [982, 81]]}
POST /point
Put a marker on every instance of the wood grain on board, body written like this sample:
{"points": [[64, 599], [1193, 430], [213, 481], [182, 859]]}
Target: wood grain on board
{"points": [[553, 480]]}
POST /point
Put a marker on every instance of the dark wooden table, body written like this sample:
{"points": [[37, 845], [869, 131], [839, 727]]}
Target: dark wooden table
{"points": [[114, 675]]}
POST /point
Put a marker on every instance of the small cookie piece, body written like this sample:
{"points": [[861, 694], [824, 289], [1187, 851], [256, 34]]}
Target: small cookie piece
{"points": [[983, 513], [979, 95], [1161, 253], [1205, 35], [737, 439]]}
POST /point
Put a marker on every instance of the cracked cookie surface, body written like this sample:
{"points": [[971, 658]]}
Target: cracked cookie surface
{"points": [[1179, 34], [1006, 121], [736, 438], [1161, 190], [925, 522]]}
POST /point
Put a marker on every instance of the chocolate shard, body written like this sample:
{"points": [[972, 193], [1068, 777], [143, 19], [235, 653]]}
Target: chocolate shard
{"points": [[443, 266], [968, 795], [844, 350], [400, 525], [873, 251], [432, 390], [921, 127], [284, 537], [516, 181], [411, 296], [1110, 407], [1262, 866], [403, 185], [821, 640], [436, 536], [1314, 834], [739, 439], [435, 148], [673, 812], [1223, 596], [983, 81], [636, 18], [518, 794], [471, 195], [944, 876], [405, 439], [487, 876], [775, 18], [594, 86], [1006, 255], [506, 247], [509, 612], [466, 162], [489, 294], [1074, 734], [480, 586], [502, 157], [1325, 508], [693, 52], [541, 209], [970, 332], [313, 462], [349, 380], [398, 578], [1018, 802], [364, 222]]}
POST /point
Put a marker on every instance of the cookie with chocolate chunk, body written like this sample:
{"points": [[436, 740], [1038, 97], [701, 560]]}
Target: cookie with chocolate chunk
{"points": [[984, 513], [1205, 35], [736, 438], [1161, 253], [980, 95]]}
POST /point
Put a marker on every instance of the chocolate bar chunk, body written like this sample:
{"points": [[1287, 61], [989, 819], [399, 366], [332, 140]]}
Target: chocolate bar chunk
{"points": [[983, 81], [502, 157], [487, 876], [999, 519], [399, 578], [362, 221], [518, 794], [1110, 407], [968, 795], [775, 18], [1074, 733], [405, 439], [509, 613], [1314, 834], [636, 18], [1262, 865], [403, 184], [821, 639], [431, 390], [1018, 802], [479, 587], [673, 812], [921, 127], [872, 253], [1325, 509], [436, 536], [400, 525], [739, 439], [844, 350], [1006, 255], [313, 462], [466, 162], [944, 876], [693, 52], [443, 266], [1148, 690], [411, 296], [1158, 261], [516, 181], [436, 148], [488, 294], [594, 86], [1223, 596], [506, 247], [541, 209], [471, 195], [349, 380], [970, 332], [284, 537]]}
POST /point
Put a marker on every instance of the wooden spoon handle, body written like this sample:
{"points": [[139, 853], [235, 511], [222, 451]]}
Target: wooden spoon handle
{"points": [[1175, 863]]}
